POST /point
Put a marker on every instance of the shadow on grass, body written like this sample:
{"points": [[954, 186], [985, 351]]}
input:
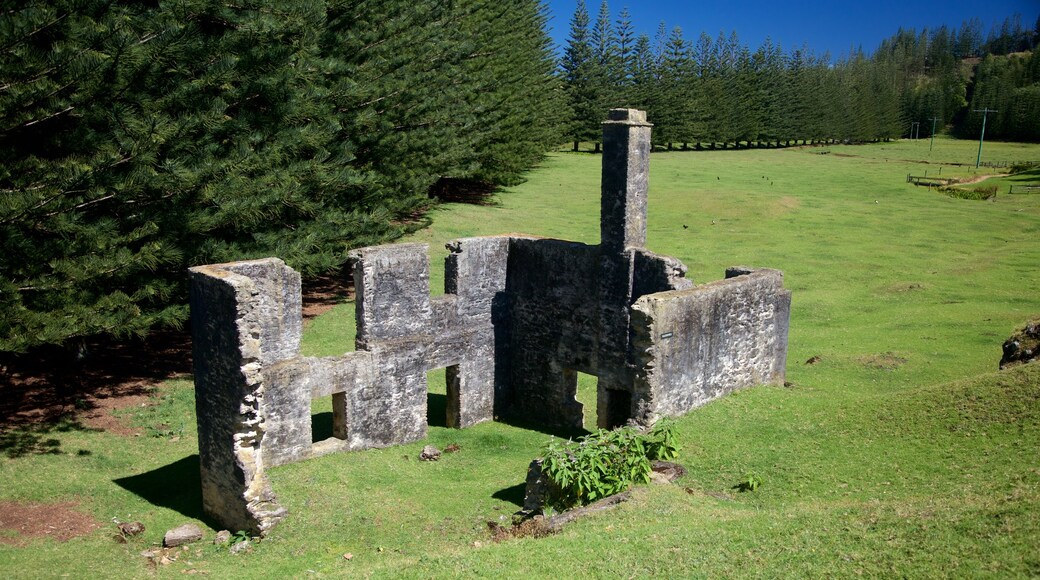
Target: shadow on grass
{"points": [[457, 190], [561, 432], [49, 384], [513, 494], [177, 486], [38, 439], [1031, 176]]}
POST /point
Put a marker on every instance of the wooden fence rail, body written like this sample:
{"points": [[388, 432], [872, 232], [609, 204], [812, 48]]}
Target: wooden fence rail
{"points": [[1024, 188], [929, 181]]}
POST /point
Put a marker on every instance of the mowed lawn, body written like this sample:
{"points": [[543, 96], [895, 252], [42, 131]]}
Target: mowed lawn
{"points": [[901, 451]]}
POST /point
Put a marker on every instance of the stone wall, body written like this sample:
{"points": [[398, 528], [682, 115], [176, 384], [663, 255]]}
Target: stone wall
{"points": [[692, 346], [520, 318], [244, 316]]}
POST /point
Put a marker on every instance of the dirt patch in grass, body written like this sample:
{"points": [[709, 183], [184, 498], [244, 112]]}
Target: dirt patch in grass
{"points": [[784, 205], [980, 178], [326, 292], [23, 522], [886, 361], [87, 382], [102, 418]]}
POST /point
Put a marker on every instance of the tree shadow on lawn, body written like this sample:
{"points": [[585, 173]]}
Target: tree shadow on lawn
{"points": [[50, 385], [1031, 176], [74, 387], [38, 439], [177, 487]]}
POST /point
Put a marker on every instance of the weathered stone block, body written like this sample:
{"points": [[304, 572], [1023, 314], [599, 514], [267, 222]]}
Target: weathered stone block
{"points": [[243, 316], [392, 285], [695, 345], [625, 180]]}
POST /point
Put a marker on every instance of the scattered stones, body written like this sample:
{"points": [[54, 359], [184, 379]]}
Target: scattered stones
{"points": [[127, 529], [181, 535], [243, 546], [430, 453], [223, 537]]}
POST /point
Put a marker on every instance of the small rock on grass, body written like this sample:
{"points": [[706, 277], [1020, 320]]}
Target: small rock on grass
{"points": [[180, 535], [666, 471], [223, 537], [430, 453], [243, 546], [129, 529]]}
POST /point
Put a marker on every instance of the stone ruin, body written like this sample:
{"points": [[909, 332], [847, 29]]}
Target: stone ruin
{"points": [[520, 317]]}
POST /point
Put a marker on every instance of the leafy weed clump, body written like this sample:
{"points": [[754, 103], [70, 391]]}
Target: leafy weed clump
{"points": [[604, 463]]}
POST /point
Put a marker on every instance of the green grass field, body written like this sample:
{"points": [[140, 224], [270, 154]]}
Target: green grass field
{"points": [[901, 452]]}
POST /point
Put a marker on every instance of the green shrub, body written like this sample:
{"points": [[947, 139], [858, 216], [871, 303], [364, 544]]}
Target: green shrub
{"points": [[978, 193], [603, 463]]}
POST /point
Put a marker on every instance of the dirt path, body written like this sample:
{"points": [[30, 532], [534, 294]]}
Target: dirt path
{"points": [[980, 178]]}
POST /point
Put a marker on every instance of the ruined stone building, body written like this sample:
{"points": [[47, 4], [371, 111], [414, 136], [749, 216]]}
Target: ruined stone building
{"points": [[520, 318]]}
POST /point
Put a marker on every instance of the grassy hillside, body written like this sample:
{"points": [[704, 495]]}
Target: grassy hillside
{"points": [[901, 451]]}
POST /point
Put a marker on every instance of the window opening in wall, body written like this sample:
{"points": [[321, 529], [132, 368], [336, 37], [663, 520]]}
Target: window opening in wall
{"points": [[436, 399], [321, 419], [442, 397], [586, 397], [328, 418]]}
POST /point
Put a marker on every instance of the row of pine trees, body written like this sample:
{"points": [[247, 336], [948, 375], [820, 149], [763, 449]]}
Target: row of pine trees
{"points": [[715, 91], [138, 139]]}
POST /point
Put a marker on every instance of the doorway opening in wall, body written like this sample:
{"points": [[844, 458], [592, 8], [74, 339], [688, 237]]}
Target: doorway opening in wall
{"points": [[327, 418], [617, 406], [586, 396], [442, 397], [607, 408]]}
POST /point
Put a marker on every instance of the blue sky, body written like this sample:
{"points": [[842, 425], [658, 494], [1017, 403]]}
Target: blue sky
{"points": [[835, 27]]}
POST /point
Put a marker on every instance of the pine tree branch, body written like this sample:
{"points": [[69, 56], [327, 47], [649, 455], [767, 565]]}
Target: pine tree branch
{"points": [[35, 32], [80, 206], [48, 117], [61, 193]]}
